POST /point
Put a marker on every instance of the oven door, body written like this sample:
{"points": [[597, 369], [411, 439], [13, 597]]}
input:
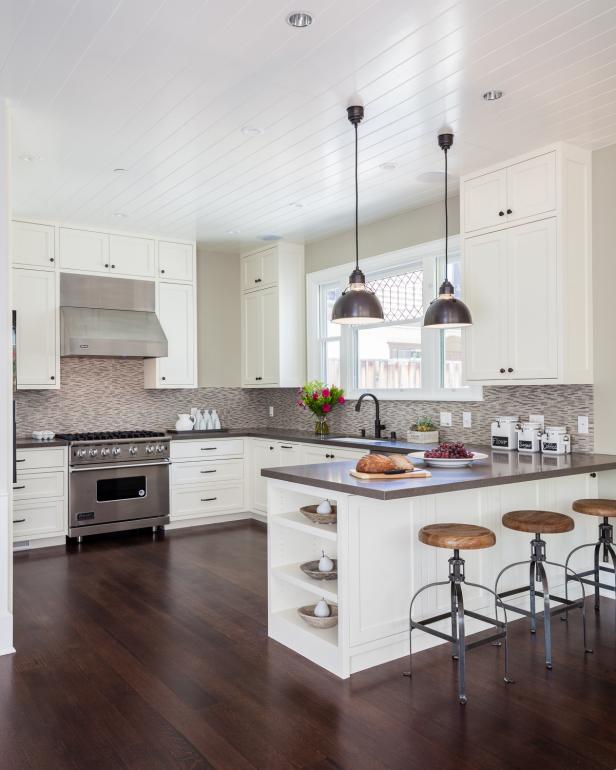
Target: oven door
{"points": [[108, 494]]}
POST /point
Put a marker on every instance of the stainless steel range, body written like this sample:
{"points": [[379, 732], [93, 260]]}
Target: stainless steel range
{"points": [[117, 480]]}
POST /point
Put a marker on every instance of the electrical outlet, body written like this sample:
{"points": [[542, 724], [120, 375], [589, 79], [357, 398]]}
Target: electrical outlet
{"points": [[271, 411], [583, 423], [537, 418], [445, 419], [467, 419]]}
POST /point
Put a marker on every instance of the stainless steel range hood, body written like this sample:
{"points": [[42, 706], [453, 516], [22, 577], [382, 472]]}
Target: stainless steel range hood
{"points": [[110, 317]]}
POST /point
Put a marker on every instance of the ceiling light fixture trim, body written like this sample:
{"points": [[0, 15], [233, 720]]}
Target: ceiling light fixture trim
{"points": [[300, 19], [492, 95]]}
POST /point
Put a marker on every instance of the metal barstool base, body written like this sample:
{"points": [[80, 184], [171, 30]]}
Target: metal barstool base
{"points": [[457, 615], [605, 542]]}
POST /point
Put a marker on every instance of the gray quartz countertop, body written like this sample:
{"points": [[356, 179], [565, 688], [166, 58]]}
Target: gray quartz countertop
{"points": [[25, 442], [498, 468]]}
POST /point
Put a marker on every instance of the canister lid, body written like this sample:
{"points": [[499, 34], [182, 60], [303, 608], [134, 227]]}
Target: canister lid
{"points": [[531, 425], [507, 418], [555, 429]]}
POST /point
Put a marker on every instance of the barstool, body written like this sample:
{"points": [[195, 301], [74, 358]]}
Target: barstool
{"points": [[458, 537], [538, 523], [606, 509]]}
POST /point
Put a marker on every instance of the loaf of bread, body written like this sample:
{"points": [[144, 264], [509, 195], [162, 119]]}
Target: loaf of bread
{"points": [[402, 462], [375, 464]]}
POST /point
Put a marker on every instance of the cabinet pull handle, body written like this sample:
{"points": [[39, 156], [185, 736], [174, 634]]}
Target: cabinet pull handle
{"points": [[285, 446], [501, 370], [509, 370], [208, 448], [501, 213], [208, 499], [207, 471], [22, 460], [258, 280], [509, 211], [18, 521], [21, 486]]}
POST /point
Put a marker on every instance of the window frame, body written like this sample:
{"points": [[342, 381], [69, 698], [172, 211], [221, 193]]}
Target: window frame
{"points": [[431, 254]]}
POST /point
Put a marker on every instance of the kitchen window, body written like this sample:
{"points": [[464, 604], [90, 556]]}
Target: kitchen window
{"points": [[397, 359]]}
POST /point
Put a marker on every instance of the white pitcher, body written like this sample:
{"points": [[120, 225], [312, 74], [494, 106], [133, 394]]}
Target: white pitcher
{"points": [[184, 422]]}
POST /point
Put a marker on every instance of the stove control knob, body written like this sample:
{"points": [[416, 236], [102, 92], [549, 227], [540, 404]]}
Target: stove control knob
{"points": [[81, 453], [116, 451], [93, 452], [105, 451], [160, 448], [132, 450], [149, 449]]}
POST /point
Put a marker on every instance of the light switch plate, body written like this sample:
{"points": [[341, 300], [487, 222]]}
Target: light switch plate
{"points": [[537, 418], [467, 419], [271, 411], [583, 423], [445, 419]]}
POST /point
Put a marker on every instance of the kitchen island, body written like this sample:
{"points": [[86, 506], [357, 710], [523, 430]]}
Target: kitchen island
{"points": [[381, 563]]}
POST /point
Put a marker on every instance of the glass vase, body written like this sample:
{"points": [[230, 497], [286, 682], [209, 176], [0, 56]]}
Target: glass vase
{"points": [[321, 426]]}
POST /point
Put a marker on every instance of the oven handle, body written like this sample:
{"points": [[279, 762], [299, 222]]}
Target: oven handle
{"points": [[116, 467]]}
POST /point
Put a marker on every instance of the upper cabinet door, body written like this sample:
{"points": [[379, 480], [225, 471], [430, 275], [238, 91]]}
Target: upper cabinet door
{"points": [[176, 312], [486, 294], [271, 336], [33, 245], [252, 339], [531, 187], [176, 261], [260, 270], [485, 201], [132, 257], [34, 299], [83, 250], [533, 311]]}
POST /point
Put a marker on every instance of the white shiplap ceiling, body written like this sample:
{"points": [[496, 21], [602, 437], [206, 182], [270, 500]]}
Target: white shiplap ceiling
{"points": [[163, 88]]}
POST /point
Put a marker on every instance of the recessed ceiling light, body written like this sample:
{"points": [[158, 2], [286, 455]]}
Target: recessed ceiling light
{"points": [[120, 215], [492, 96], [232, 232], [299, 19], [27, 158], [120, 170], [296, 205], [251, 130], [388, 166], [270, 237]]}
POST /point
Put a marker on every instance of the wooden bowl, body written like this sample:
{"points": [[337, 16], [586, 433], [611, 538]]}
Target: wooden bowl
{"points": [[311, 568], [307, 615], [310, 512]]}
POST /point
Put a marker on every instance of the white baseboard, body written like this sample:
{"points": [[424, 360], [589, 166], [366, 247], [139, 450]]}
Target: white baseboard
{"points": [[6, 634]]}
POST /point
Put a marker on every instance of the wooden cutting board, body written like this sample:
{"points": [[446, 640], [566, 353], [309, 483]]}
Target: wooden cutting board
{"points": [[416, 474]]}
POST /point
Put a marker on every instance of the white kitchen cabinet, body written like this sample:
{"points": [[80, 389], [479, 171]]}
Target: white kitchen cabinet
{"points": [[264, 454], [132, 257], [529, 284], [260, 269], [84, 251], [314, 453], [506, 195], [273, 318], [35, 299], [33, 245], [176, 261], [176, 311]]}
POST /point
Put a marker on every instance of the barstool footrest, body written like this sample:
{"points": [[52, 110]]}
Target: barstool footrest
{"points": [[423, 626], [592, 582], [564, 606]]}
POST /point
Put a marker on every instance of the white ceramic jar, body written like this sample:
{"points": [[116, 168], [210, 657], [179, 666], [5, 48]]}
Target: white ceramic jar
{"points": [[555, 440], [503, 433], [529, 436]]}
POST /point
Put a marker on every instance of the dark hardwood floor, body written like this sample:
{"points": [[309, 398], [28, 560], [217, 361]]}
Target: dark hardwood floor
{"points": [[149, 655]]}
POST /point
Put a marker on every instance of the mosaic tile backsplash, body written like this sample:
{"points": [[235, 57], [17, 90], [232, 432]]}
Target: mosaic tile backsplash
{"points": [[108, 394]]}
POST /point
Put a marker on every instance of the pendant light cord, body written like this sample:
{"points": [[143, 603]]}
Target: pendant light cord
{"points": [[446, 220], [356, 206]]}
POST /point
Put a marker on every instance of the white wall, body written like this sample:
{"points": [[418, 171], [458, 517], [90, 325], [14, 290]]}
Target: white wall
{"points": [[398, 232], [604, 284], [219, 321], [6, 393]]}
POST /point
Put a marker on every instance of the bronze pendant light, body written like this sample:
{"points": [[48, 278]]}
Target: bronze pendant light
{"points": [[446, 311], [357, 304]]}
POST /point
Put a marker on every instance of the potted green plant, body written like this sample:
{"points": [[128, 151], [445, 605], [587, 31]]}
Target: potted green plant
{"points": [[424, 431], [320, 399]]}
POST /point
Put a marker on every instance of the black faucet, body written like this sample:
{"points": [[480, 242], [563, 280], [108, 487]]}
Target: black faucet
{"points": [[378, 427]]}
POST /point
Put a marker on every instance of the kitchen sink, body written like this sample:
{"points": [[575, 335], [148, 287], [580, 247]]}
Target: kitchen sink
{"points": [[394, 445]]}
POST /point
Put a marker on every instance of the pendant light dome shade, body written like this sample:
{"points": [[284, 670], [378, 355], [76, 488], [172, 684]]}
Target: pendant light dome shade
{"points": [[447, 311], [357, 304]]}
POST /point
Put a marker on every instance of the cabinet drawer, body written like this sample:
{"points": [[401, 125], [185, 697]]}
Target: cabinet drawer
{"points": [[38, 518], [205, 500], [209, 471], [209, 449], [43, 484], [31, 459]]}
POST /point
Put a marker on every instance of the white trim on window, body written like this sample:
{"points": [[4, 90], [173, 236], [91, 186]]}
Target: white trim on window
{"points": [[431, 254]]}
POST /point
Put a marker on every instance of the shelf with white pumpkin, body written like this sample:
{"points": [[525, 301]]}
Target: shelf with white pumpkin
{"points": [[292, 573], [297, 521], [290, 619]]}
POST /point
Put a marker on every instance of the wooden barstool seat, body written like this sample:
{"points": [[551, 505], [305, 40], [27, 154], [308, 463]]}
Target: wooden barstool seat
{"points": [[457, 536], [601, 507], [543, 522]]}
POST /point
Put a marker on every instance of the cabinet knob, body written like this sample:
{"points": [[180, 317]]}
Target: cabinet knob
{"points": [[258, 378], [106, 264], [509, 369], [162, 271], [163, 378], [51, 259], [271, 447], [501, 370], [509, 211], [112, 267], [52, 377], [501, 213], [258, 280]]}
